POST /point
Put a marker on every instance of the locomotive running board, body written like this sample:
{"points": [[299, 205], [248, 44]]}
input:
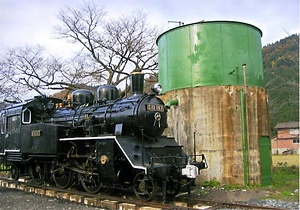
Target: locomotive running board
{"points": [[88, 138], [9, 150], [120, 144]]}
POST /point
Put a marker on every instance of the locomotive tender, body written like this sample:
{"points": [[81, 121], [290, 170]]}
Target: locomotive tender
{"points": [[109, 142]]}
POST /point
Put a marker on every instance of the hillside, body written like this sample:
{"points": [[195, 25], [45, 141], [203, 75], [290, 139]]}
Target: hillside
{"points": [[281, 67]]}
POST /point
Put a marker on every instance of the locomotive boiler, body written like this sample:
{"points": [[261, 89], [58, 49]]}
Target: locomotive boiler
{"points": [[100, 143]]}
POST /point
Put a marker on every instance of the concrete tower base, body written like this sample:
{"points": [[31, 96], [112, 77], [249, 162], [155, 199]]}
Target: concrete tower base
{"points": [[227, 124]]}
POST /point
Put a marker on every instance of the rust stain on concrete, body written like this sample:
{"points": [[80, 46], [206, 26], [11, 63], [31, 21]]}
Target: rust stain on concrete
{"points": [[211, 117]]}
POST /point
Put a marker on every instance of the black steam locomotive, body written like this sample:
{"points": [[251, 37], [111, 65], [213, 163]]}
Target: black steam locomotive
{"points": [[108, 142]]}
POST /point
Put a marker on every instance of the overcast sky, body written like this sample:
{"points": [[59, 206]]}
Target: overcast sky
{"points": [[30, 22]]}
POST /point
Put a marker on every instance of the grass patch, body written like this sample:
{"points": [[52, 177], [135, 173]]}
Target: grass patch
{"points": [[4, 167], [212, 183], [286, 183], [285, 177]]}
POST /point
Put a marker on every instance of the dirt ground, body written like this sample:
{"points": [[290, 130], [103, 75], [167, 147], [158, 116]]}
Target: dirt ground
{"points": [[232, 196]]}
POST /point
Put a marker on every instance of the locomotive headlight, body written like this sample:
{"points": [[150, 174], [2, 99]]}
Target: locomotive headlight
{"points": [[156, 88]]}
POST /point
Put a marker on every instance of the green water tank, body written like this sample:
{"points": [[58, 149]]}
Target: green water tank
{"points": [[210, 54]]}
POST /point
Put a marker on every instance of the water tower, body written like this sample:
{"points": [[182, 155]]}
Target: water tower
{"points": [[212, 74]]}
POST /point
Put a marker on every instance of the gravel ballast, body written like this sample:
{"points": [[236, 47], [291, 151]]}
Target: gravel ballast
{"points": [[20, 200]]}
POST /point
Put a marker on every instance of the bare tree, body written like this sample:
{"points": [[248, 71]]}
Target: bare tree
{"points": [[27, 69], [110, 51], [117, 47]]}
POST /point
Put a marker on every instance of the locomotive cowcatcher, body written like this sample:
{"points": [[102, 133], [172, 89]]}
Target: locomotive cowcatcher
{"points": [[107, 142]]}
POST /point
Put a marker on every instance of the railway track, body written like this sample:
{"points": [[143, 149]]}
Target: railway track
{"points": [[118, 201]]}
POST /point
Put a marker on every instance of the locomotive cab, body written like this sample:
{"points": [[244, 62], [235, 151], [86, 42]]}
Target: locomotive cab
{"points": [[23, 133]]}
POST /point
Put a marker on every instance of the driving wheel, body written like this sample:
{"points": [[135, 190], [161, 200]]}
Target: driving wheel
{"points": [[15, 172], [63, 177], [38, 172], [173, 188], [90, 183], [145, 188]]}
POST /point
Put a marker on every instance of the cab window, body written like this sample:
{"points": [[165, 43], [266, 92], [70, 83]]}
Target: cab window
{"points": [[13, 123], [26, 116]]}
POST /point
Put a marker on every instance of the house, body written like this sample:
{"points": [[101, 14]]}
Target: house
{"points": [[287, 138]]}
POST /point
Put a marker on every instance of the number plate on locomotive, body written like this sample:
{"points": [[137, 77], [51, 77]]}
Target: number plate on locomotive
{"points": [[155, 107], [36, 133]]}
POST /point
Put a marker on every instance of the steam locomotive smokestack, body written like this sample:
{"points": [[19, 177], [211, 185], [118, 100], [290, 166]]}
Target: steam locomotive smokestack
{"points": [[137, 83]]}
